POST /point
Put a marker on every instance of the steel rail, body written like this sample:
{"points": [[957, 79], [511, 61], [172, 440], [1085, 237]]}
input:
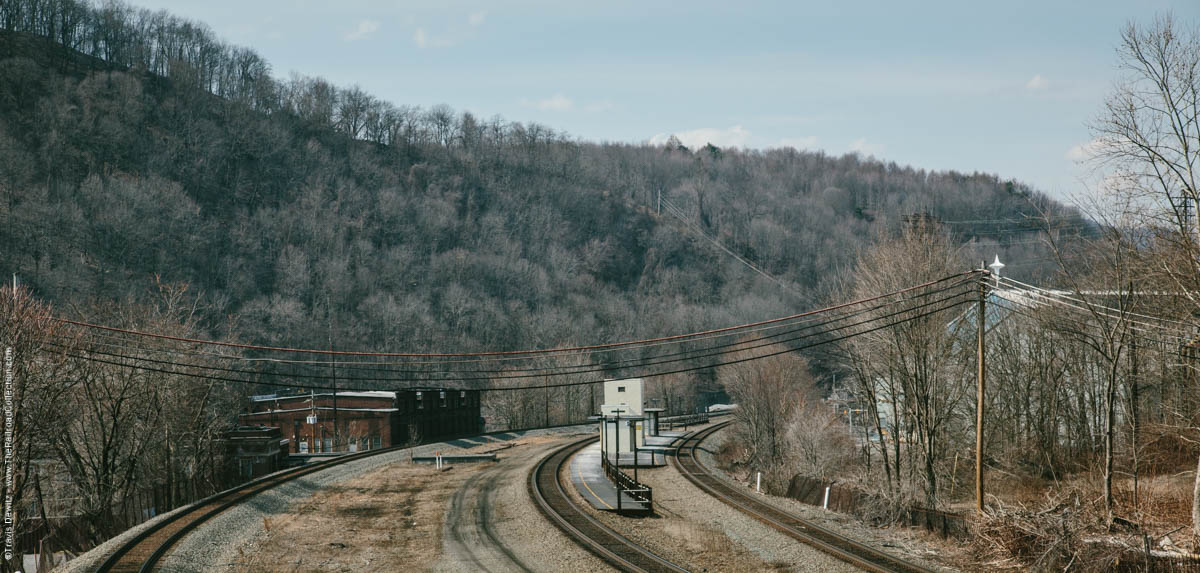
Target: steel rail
{"points": [[546, 488], [835, 544], [143, 552]]}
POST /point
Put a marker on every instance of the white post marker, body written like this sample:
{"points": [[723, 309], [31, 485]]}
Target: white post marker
{"points": [[758, 483], [826, 503]]}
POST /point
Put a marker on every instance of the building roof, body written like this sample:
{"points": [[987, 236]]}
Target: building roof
{"points": [[357, 394], [321, 408]]}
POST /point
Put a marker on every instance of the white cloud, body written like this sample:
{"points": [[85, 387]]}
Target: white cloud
{"points": [[1037, 82], [557, 102], [475, 19], [735, 136], [861, 145], [1089, 150], [424, 40], [809, 142], [598, 106], [365, 28]]}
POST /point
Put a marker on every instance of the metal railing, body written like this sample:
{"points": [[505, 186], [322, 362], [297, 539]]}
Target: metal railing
{"points": [[683, 421], [626, 484]]}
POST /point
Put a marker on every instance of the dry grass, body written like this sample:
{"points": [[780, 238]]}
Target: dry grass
{"points": [[387, 520]]}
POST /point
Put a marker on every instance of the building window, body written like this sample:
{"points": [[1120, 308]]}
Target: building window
{"points": [[376, 442], [420, 404], [620, 388]]}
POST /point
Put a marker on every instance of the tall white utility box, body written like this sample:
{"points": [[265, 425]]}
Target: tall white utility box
{"points": [[622, 423]]}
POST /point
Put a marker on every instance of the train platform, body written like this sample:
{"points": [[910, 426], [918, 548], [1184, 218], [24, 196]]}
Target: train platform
{"points": [[587, 475], [654, 453], [470, 442]]}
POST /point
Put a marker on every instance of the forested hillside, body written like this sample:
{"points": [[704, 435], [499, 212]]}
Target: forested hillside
{"points": [[136, 145]]}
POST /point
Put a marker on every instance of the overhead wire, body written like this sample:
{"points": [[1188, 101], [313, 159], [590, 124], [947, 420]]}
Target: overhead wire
{"points": [[579, 369], [1082, 325], [845, 313], [546, 386], [682, 217], [542, 351], [1062, 295]]}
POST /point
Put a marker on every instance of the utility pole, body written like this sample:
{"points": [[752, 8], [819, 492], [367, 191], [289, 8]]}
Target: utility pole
{"points": [[1133, 403], [337, 435], [312, 419], [981, 379]]}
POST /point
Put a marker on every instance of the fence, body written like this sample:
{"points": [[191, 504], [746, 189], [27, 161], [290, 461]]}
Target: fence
{"points": [[683, 421], [626, 484], [848, 500]]}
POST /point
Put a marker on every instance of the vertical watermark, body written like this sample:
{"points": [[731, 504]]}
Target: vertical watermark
{"points": [[10, 527]]}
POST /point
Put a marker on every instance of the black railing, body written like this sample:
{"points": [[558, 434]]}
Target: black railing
{"points": [[626, 484], [683, 421]]}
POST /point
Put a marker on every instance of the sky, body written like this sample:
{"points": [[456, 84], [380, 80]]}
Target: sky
{"points": [[996, 87]]}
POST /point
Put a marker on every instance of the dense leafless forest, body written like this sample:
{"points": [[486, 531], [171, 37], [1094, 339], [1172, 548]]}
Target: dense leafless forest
{"points": [[140, 145], [157, 178]]}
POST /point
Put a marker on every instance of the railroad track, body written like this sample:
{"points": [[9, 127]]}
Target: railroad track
{"points": [[553, 501], [143, 553], [807, 532]]}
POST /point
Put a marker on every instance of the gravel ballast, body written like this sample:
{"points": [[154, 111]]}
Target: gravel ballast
{"points": [[700, 533], [901, 542], [524, 540], [221, 543]]}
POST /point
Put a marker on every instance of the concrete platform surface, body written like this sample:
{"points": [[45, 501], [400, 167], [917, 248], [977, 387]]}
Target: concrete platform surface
{"points": [[587, 475]]}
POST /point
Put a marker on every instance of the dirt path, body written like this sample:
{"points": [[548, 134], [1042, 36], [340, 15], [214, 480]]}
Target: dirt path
{"points": [[491, 524], [470, 540]]}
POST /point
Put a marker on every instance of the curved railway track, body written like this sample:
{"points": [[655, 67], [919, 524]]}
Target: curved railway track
{"points": [[807, 532], [552, 499], [143, 552]]}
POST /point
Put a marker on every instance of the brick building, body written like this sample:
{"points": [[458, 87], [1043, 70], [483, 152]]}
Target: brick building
{"points": [[255, 451], [367, 420]]}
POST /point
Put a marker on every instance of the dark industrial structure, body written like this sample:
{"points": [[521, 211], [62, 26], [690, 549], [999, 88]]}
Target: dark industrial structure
{"points": [[319, 423], [255, 451]]}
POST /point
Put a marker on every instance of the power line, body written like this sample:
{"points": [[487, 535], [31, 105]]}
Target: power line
{"points": [[509, 352], [580, 369], [355, 365], [545, 386], [1062, 295], [680, 215]]}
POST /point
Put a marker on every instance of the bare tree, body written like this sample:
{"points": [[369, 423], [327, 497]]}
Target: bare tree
{"points": [[917, 361], [1148, 140]]}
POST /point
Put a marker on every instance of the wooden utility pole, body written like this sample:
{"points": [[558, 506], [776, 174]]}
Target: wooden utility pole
{"points": [[337, 436], [981, 379], [1133, 406]]}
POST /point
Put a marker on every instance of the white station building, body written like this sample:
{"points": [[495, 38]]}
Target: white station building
{"points": [[624, 421]]}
